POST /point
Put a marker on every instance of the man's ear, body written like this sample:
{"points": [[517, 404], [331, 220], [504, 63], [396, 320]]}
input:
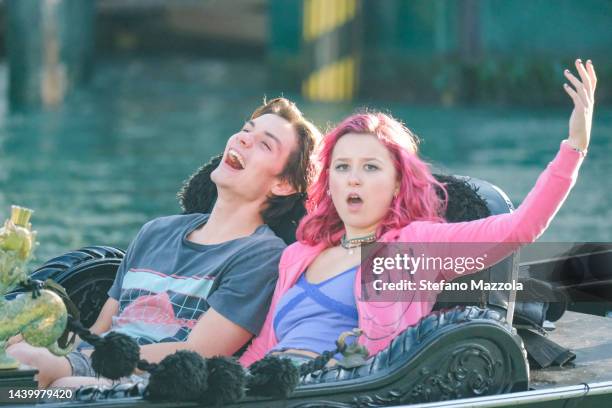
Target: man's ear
{"points": [[282, 187]]}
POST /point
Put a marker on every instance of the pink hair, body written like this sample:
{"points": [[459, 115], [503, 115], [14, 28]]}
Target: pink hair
{"points": [[416, 201]]}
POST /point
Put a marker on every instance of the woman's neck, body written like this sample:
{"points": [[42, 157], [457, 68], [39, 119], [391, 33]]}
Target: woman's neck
{"points": [[356, 233]]}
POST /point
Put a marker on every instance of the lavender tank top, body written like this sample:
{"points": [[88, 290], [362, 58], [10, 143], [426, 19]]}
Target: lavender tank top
{"points": [[312, 316]]}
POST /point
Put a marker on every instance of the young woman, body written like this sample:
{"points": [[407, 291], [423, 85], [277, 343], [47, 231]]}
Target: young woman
{"points": [[374, 187]]}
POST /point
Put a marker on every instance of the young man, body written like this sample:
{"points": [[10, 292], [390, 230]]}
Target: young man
{"points": [[203, 282]]}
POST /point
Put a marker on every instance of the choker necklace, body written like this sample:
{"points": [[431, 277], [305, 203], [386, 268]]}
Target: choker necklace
{"points": [[353, 243]]}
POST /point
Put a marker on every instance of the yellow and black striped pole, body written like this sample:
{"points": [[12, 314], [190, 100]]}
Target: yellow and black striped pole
{"points": [[331, 35]]}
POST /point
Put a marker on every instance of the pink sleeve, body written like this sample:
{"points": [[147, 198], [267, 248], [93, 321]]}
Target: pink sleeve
{"points": [[259, 346], [267, 338], [522, 226]]}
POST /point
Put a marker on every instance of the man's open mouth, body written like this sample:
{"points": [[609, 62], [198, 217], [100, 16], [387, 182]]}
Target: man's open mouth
{"points": [[234, 160]]}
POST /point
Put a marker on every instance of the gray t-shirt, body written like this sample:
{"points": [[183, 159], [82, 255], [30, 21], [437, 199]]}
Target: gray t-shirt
{"points": [[166, 282]]}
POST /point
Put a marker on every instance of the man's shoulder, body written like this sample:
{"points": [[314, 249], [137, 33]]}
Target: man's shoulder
{"points": [[266, 240], [171, 222]]}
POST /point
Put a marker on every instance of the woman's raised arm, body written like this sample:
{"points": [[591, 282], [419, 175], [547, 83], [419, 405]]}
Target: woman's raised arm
{"points": [[534, 214]]}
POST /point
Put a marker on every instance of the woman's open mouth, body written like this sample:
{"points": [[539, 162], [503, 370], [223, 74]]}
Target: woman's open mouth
{"points": [[354, 201], [234, 160]]}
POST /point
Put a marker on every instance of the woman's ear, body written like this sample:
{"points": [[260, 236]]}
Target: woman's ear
{"points": [[282, 187]]}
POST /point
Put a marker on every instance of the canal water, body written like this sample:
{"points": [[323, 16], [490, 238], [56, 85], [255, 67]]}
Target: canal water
{"points": [[114, 157]]}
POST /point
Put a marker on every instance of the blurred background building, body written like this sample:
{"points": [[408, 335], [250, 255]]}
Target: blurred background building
{"points": [[108, 105], [438, 51]]}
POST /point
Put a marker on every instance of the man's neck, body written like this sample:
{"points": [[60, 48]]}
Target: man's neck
{"points": [[228, 220]]}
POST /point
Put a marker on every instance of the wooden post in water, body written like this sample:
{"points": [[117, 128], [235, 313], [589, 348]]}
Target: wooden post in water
{"points": [[469, 29], [50, 48], [332, 37]]}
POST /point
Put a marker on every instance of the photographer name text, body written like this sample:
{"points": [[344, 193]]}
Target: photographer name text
{"points": [[424, 285]]}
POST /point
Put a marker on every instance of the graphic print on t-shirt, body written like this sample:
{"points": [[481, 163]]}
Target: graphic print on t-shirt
{"points": [[156, 307]]}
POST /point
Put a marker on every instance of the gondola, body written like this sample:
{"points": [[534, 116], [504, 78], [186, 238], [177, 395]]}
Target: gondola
{"points": [[462, 354]]}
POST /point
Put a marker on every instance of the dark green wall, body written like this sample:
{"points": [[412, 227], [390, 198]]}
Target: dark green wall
{"points": [[464, 50]]}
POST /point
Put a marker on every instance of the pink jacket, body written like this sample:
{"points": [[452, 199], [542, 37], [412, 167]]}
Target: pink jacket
{"points": [[382, 322]]}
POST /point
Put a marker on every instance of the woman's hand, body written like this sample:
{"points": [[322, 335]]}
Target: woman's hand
{"points": [[582, 94]]}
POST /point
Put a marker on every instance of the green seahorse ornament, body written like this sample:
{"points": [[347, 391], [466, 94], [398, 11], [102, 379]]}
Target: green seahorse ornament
{"points": [[40, 316]]}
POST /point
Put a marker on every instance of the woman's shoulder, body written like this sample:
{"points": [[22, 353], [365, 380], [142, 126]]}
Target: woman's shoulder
{"points": [[298, 250]]}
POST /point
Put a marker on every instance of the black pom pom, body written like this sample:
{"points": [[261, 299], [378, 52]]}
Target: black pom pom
{"points": [[115, 356], [273, 377], [181, 376], [226, 381], [199, 193], [464, 203]]}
